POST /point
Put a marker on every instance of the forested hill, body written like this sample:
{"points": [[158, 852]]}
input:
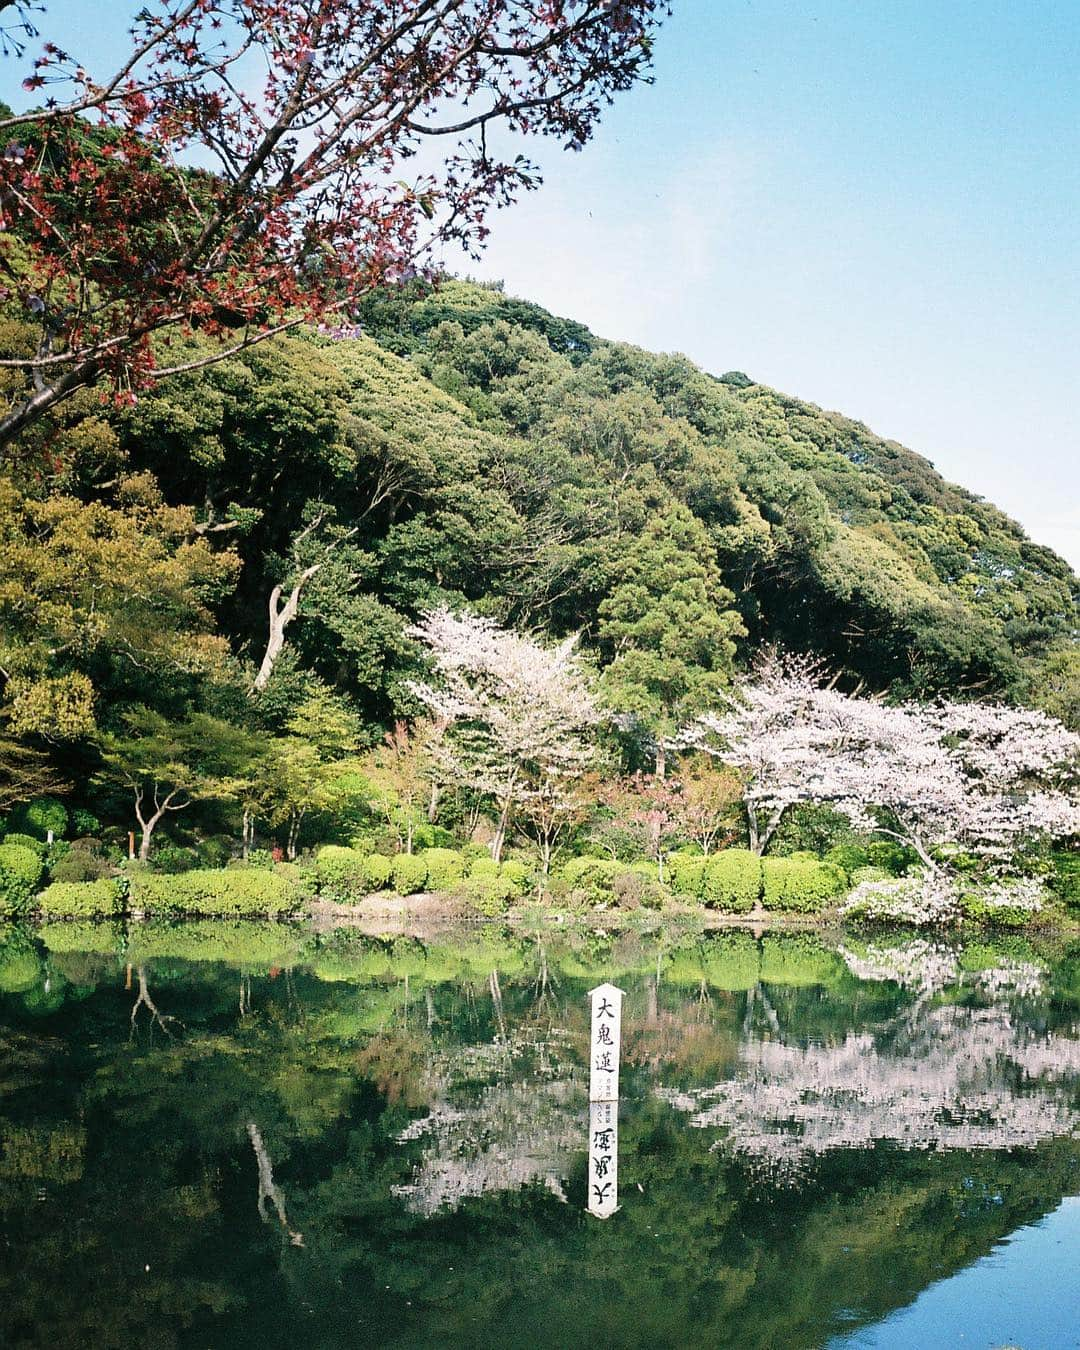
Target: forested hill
{"points": [[465, 446]]}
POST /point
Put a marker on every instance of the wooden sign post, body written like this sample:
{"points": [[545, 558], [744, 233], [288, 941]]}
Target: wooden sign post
{"points": [[604, 1043]]}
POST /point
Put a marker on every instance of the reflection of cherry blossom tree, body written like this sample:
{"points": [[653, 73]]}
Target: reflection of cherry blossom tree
{"points": [[936, 1078], [491, 1125]]}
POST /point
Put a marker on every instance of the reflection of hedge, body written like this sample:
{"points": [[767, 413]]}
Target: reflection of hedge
{"points": [[731, 881], [238, 942], [731, 962], [20, 966], [799, 883], [103, 938], [799, 959], [233, 891], [80, 899]]}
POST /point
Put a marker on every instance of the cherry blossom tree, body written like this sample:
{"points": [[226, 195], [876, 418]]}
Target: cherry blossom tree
{"points": [[985, 777], [254, 163], [518, 714], [777, 730]]}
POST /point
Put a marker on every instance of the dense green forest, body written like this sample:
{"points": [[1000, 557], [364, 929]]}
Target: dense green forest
{"points": [[460, 446]]}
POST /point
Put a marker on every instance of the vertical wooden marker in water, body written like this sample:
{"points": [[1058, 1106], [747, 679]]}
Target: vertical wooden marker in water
{"points": [[604, 1043], [603, 1199]]}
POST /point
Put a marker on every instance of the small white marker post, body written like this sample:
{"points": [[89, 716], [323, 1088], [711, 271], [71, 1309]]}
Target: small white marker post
{"points": [[604, 1043]]}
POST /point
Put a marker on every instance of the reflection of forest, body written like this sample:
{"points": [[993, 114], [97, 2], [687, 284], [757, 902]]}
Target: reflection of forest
{"points": [[417, 1114]]}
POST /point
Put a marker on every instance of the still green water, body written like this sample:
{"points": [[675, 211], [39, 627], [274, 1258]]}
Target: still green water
{"points": [[233, 1135]]}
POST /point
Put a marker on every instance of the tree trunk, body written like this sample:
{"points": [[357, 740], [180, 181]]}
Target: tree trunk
{"points": [[661, 757], [294, 835], [752, 829], [281, 615], [500, 830], [433, 803]]}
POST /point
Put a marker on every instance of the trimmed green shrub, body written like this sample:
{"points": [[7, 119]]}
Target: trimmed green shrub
{"points": [[1009, 903], [39, 817], [850, 858], [20, 872], [84, 822], [686, 873], [37, 846], [518, 873], [260, 858], [173, 858], [340, 873], [483, 865], [893, 857], [1064, 879], [214, 851], [445, 868], [731, 881], [80, 864], [591, 878], [408, 873], [427, 837], [377, 871], [80, 899], [862, 874], [230, 891], [800, 884], [634, 888], [489, 895]]}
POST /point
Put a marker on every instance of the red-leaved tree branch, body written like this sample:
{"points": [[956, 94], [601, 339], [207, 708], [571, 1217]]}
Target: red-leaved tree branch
{"points": [[247, 167]]}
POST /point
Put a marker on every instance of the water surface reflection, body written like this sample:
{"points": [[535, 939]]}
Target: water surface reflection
{"points": [[234, 1135]]}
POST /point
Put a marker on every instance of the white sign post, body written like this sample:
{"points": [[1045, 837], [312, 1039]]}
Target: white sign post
{"points": [[604, 1043], [603, 1159]]}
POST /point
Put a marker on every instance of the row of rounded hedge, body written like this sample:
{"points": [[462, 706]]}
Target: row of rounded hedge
{"points": [[225, 893], [736, 880], [348, 874]]}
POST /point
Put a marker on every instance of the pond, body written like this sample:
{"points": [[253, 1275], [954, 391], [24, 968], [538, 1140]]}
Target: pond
{"points": [[243, 1135]]}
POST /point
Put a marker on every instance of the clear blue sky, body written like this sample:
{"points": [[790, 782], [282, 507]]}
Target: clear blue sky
{"points": [[875, 206]]}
